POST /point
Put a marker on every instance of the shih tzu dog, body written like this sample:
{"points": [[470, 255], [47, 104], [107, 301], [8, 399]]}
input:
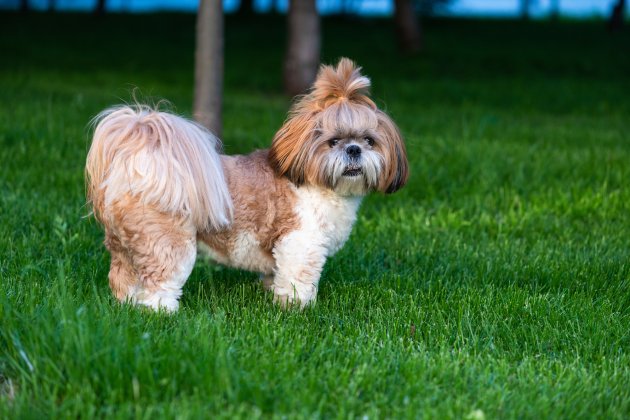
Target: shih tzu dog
{"points": [[160, 188]]}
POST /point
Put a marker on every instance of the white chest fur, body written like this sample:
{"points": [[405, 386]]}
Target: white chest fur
{"points": [[326, 217], [325, 223], [326, 220]]}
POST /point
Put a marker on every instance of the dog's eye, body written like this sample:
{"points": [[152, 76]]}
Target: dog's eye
{"points": [[333, 142], [369, 140]]}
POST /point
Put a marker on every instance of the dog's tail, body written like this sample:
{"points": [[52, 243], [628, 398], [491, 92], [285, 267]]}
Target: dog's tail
{"points": [[160, 158]]}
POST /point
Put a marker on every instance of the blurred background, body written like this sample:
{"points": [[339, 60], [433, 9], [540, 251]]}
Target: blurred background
{"points": [[494, 8], [303, 44], [497, 279]]}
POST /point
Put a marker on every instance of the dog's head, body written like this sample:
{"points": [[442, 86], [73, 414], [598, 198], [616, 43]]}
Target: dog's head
{"points": [[337, 138]]}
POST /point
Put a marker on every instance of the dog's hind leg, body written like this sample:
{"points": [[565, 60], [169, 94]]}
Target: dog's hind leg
{"points": [[162, 275], [122, 277], [152, 256]]}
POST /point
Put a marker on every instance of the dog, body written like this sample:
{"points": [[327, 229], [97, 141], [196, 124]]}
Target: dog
{"points": [[162, 191]]}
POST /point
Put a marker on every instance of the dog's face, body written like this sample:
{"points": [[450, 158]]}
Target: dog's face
{"points": [[336, 138], [349, 151]]}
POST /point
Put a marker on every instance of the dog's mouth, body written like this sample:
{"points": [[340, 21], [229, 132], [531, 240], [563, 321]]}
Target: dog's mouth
{"points": [[352, 171]]}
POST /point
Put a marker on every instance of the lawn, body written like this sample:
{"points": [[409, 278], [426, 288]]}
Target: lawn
{"points": [[495, 284]]}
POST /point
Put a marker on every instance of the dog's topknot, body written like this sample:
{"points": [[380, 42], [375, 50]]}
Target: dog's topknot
{"points": [[341, 83]]}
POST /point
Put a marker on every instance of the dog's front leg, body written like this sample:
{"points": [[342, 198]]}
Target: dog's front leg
{"points": [[299, 263]]}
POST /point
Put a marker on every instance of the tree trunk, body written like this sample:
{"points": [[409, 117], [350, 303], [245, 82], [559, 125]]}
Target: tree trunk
{"points": [[616, 17], [525, 4], [24, 7], [302, 59], [407, 26], [246, 8], [555, 10], [275, 7], [209, 65], [347, 7], [99, 10]]}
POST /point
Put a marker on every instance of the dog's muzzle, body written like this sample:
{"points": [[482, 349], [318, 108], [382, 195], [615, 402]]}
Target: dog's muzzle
{"points": [[353, 169]]}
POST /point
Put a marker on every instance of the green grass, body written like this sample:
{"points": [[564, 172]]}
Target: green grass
{"points": [[497, 280]]}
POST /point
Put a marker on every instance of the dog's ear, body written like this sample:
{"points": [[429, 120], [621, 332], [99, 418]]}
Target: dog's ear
{"points": [[396, 169], [289, 149]]}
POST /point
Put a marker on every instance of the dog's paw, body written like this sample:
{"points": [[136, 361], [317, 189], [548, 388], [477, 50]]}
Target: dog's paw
{"points": [[156, 303], [267, 282], [292, 300], [286, 301]]}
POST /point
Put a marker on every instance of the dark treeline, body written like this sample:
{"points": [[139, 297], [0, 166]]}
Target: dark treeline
{"points": [[302, 56]]}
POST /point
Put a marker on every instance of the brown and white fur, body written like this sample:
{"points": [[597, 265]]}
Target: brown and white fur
{"points": [[161, 190]]}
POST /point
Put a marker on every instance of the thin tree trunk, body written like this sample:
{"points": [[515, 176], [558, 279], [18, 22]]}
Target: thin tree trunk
{"points": [[346, 7], [246, 8], [24, 7], [555, 10], [525, 4], [302, 59], [209, 65], [616, 17], [407, 26], [275, 6], [99, 10]]}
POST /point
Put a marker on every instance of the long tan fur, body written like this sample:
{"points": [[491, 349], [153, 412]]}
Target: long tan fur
{"points": [[161, 190], [161, 159], [338, 100]]}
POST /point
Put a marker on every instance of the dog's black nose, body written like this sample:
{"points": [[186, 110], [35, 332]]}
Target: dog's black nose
{"points": [[353, 151]]}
